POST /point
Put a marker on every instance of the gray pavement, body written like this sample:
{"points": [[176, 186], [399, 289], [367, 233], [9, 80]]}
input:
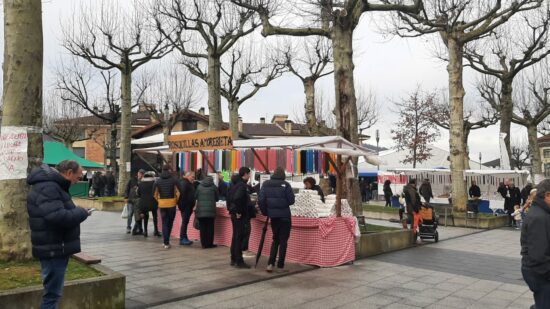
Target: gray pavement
{"points": [[445, 232], [480, 270], [155, 275]]}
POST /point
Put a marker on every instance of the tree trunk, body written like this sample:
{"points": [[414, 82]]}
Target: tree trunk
{"points": [[346, 106], [506, 113], [466, 150], [214, 94], [456, 133], [311, 118], [234, 119], [68, 144], [534, 149], [112, 147], [126, 129], [23, 60]]}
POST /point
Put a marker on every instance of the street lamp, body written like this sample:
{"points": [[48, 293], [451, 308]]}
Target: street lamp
{"points": [[480, 160], [377, 146]]}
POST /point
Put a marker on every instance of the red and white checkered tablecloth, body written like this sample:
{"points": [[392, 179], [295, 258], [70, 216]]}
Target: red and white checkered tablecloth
{"points": [[324, 242]]}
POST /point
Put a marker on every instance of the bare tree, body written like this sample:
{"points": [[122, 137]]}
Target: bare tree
{"points": [[203, 31], [167, 94], [516, 46], [458, 23], [310, 62], [61, 121], [22, 107], [111, 37], [336, 21], [368, 110], [520, 155], [531, 106], [76, 83], [479, 118], [415, 129]]}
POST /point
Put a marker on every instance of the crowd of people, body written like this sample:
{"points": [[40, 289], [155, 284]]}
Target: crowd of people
{"points": [[167, 194], [101, 185]]}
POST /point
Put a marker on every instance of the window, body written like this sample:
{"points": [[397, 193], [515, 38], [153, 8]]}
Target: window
{"points": [[188, 125], [547, 170], [546, 153], [79, 151]]}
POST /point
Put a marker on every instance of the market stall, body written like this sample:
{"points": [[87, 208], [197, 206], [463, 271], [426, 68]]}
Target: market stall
{"points": [[322, 233]]}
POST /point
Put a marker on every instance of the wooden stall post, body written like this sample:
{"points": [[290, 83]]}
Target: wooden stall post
{"points": [[260, 160]]}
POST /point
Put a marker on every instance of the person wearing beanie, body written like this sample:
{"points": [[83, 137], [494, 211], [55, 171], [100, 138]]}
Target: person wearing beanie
{"points": [[276, 196], [238, 202]]}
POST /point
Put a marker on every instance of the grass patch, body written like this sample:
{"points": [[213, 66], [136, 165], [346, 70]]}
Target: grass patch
{"points": [[374, 208], [111, 199], [15, 275], [373, 228]]}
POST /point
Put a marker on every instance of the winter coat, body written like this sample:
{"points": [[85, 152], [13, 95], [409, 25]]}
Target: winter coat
{"points": [[187, 199], [222, 190], [535, 239], [206, 197], [98, 182], [275, 198], [319, 191], [238, 198], [412, 199], [513, 198], [426, 191], [474, 191], [525, 193], [130, 186], [387, 190], [54, 219], [147, 201], [110, 182], [167, 190]]}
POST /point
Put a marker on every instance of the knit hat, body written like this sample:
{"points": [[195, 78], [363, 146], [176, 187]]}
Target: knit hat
{"points": [[279, 173]]}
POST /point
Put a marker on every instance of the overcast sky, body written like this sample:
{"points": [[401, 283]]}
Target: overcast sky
{"points": [[390, 68]]}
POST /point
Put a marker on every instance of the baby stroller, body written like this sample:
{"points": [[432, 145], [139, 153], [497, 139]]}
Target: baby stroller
{"points": [[428, 227]]}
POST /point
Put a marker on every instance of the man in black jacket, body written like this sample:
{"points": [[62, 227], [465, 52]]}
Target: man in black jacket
{"points": [[167, 191], [511, 199], [535, 246], [412, 199], [54, 221], [275, 199], [186, 205], [238, 201], [130, 198]]}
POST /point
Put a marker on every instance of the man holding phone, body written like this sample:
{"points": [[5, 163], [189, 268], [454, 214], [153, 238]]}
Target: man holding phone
{"points": [[55, 224]]}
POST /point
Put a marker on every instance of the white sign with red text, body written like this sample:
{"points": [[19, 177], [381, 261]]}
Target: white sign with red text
{"points": [[13, 153]]}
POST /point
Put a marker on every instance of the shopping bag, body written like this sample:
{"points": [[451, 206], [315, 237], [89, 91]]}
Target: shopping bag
{"points": [[124, 214]]}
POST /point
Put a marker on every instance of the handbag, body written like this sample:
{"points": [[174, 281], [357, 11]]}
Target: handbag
{"points": [[124, 214]]}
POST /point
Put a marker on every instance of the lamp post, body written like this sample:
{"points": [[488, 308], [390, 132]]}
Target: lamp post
{"points": [[166, 125], [480, 160], [377, 146]]}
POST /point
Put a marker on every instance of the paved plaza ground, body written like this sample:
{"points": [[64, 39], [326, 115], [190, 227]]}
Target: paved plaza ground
{"points": [[467, 269]]}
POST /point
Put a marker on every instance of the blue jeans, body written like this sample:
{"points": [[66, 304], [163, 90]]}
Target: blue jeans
{"points": [[130, 215], [167, 215], [53, 279], [540, 287]]}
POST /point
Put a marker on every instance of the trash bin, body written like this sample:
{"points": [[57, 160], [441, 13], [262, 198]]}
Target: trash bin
{"points": [[395, 201]]}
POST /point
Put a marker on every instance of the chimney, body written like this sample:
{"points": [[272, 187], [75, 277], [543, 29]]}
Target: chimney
{"points": [[201, 111], [262, 120], [288, 126], [240, 125]]}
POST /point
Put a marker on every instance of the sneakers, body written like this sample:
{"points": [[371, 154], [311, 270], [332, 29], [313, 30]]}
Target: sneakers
{"points": [[185, 242], [242, 265], [269, 268], [166, 247], [128, 230]]}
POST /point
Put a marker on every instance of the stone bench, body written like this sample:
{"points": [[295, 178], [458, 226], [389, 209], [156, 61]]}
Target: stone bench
{"points": [[86, 258]]}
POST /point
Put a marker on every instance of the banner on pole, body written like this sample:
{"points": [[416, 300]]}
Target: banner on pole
{"points": [[201, 141]]}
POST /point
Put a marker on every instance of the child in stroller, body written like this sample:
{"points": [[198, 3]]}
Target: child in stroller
{"points": [[428, 227]]}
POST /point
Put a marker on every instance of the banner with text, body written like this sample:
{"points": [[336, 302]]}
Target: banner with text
{"points": [[13, 153], [201, 141]]}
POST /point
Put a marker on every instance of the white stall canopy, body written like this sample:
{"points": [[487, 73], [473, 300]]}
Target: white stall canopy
{"points": [[159, 138]]}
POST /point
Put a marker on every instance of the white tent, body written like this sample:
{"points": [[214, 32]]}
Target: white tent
{"points": [[159, 138]]}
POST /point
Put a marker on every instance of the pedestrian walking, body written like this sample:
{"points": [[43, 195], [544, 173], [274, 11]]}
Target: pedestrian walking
{"points": [[167, 191], [413, 202], [98, 184], [238, 203], [275, 198], [130, 199], [387, 192], [54, 221], [147, 203], [206, 197], [535, 246], [311, 184], [374, 190], [110, 184], [186, 204], [518, 216], [426, 190]]}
